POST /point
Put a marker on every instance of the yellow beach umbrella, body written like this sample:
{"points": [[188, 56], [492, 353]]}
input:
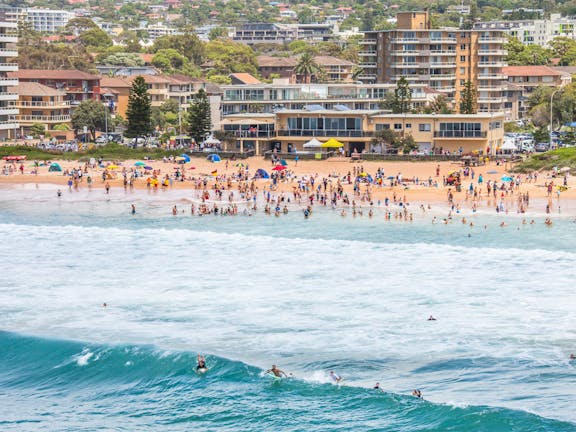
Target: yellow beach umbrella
{"points": [[332, 143], [112, 167]]}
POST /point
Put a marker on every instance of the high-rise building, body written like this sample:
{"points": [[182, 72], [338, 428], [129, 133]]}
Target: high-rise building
{"points": [[443, 59], [8, 110], [43, 20]]}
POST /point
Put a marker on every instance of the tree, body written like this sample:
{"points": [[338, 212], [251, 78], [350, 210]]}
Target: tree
{"points": [[217, 32], [468, 99], [384, 138], [401, 101], [171, 61], [187, 44], [95, 38], [307, 67], [526, 55], [37, 129], [439, 105], [199, 119], [565, 48], [90, 114], [139, 110], [123, 59], [229, 57]]}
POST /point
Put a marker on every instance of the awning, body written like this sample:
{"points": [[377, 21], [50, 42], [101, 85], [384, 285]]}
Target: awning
{"points": [[313, 143], [332, 143]]}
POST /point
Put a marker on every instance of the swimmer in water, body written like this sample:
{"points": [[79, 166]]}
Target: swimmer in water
{"points": [[431, 318], [59, 193], [377, 387], [133, 210], [417, 393], [335, 377], [201, 363], [276, 372], [572, 356]]}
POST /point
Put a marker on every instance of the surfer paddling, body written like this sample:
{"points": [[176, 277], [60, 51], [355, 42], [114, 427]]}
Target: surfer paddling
{"points": [[276, 372]]}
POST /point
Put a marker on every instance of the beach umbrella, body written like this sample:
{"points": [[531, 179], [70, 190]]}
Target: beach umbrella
{"points": [[332, 143], [506, 179], [213, 157], [240, 165], [283, 162], [112, 167], [185, 157], [262, 173], [139, 164], [55, 167], [362, 174], [279, 168], [148, 167]]}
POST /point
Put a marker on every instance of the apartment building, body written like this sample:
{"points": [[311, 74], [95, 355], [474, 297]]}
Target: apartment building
{"points": [[289, 130], [529, 78], [533, 32], [335, 69], [40, 104], [79, 86], [8, 96], [257, 33], [43, 20], [268, 98], [443, 59]]}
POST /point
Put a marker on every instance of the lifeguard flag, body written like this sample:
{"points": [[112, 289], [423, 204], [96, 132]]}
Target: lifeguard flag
{"points": [[215, 173]]}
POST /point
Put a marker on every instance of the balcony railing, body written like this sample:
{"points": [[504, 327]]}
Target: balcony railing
{"points": [[49, 119], [460, 134], [55, 104], [443, 77], [325, 133]]}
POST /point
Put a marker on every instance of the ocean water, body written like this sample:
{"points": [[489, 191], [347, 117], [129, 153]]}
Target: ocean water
{"points": [[328, 293]]}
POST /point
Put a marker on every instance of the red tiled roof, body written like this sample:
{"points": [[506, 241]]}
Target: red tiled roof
{"points": [[114, 82], [60, 74], [245, 78], [530, 71], [36, 89]]}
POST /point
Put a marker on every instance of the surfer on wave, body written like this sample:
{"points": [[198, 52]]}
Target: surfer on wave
{"points": [[277, 372], [201, 364]]}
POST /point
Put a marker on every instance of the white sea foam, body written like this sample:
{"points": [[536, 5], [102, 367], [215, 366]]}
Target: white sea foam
{"points": [[359, 304]]}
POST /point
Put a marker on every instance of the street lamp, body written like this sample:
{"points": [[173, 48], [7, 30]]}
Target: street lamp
{"points": [[107, 100], [551, 106]]}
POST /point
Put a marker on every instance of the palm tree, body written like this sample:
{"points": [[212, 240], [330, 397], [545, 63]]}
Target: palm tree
{"points": [[307, 67]]}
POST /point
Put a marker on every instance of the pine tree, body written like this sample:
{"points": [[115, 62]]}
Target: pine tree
{"points": [[139, 110], [402, 99], [199, 121], [468, 99]]}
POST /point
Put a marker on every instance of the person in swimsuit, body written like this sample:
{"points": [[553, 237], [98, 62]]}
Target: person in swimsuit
{"points": [[277, 372], [201, 362], [417, 393], [335, 377]]}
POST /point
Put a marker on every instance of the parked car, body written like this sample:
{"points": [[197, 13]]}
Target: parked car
{"points": [[542, 147]]}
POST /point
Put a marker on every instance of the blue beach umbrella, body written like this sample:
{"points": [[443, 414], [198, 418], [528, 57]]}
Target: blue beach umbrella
{"points": [[506, 179], [186, 157], [213, 157]]}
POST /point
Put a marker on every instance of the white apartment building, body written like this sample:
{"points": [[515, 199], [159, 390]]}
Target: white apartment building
{"points": [[43, 20], [8, 100], [534, 32]]}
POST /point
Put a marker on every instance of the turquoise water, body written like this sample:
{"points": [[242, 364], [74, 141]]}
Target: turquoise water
{"points": [[328, 293]]}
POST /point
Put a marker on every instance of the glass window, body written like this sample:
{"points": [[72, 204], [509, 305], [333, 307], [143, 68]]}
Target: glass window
{"points": [[397, 126], [424, 127]]}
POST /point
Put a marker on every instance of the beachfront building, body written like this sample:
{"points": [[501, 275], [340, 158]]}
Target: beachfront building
{"points": [[533, 32], [335, 69], [528, 79], [443, 59], [288, 130], [79, 86], [40, 104], [8, 97], [268, 98]]}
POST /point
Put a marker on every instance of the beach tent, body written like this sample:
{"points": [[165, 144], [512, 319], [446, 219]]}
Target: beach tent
{"points": [[185, 157], [332, 143], [283, 162], [55, 167], [313, 143], [139, 164], [213, 157], [261, 173], [212, 141]]}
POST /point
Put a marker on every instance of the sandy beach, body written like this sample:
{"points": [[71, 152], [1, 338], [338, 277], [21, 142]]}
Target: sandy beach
{"points": [[331, 169]]}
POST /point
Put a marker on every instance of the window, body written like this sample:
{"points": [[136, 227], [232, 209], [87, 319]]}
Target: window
{"points": [[408, 125], [424, 127], [384, 126], [397, 126], [462, 70], [462, 58], [463, 46]]}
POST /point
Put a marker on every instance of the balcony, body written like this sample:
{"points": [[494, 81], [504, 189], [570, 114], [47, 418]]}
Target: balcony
{"points": [[491, 64], [7, 110], [8, 67], [367, 53], [497, 52], [6, 52], [473, 134], [8, 38], [443, 77], [417, 53], [8, 96], [443, 65], [443, 52], [43, 119], [11, 124], [492, 100], [368, 42], [369, 65], [492, 76], [32, 104], [8, 82], [495, 40], [325, 133], [443, 41]]}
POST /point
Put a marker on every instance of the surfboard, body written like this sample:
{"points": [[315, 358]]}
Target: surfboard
{"points": [[201, 371], [274, 377]]}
